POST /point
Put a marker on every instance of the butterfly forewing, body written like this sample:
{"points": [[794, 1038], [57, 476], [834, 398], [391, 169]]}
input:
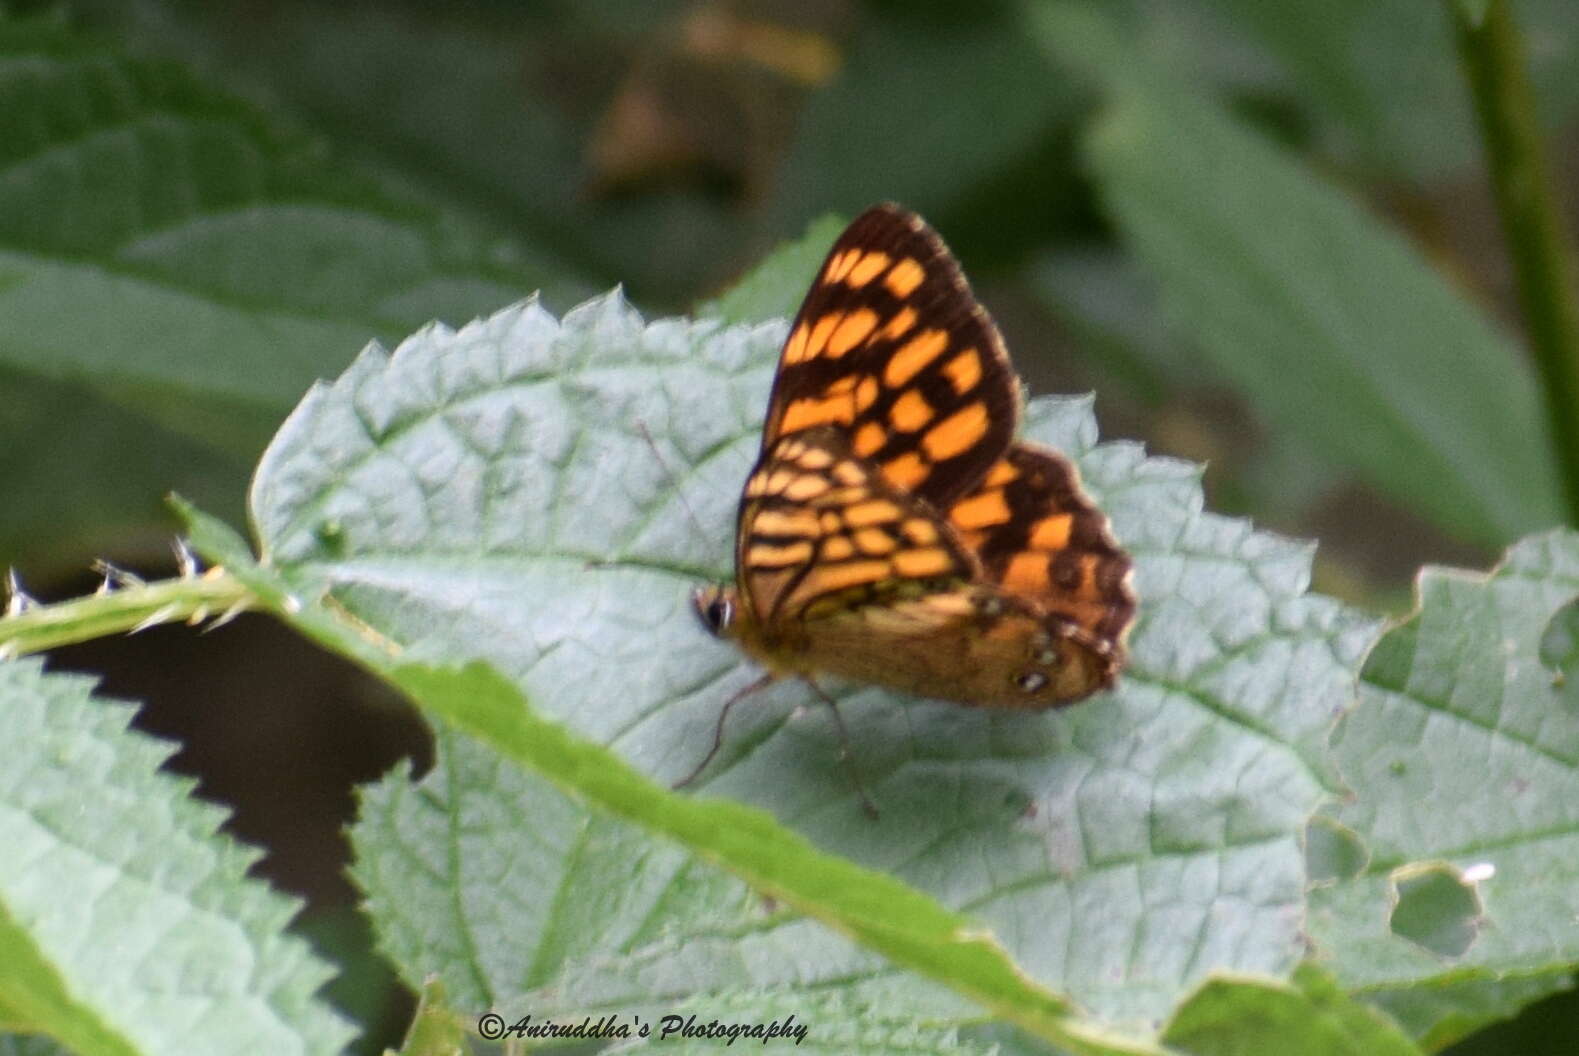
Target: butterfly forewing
{"points": [[891, 348], [820, 531]]}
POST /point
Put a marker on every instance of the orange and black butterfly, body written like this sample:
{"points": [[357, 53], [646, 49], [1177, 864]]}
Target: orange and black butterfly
{"points": [[893, 531]]}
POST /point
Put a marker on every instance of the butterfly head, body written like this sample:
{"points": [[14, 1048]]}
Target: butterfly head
{"points": [[718, 609], [724, 614]]}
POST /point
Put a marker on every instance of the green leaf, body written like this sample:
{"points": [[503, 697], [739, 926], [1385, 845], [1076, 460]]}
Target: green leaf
{"points": [[365, 989], [1463, 754], [1443, 1012], [30, 1045], [428, 855], [814, 1022], [874, 908], [1289, 289], [599, 917], [773, 289], [491, 492], [1473, 11], [1309, 1017], [142, 202], [435, 1029], [173, 253], [458, 82], [1379, 77], [126, 924], [89, 476]]}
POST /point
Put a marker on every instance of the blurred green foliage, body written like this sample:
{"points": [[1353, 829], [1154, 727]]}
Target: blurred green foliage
{"points": [[283, 181]]}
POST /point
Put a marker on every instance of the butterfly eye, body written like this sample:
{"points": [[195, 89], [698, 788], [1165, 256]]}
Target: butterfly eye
{"points": [[714, 609]]}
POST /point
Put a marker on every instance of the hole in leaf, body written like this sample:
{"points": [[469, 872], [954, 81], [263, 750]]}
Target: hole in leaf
{"points": [[1333, 851], [1560, 641], [1435, 907]]}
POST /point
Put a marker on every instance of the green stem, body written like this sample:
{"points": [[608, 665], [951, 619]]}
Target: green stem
{"points": [[1492, 52], [190, 599]]}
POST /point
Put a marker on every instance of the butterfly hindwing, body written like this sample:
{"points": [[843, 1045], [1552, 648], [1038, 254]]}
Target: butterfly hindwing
{"points": [[891, 348], [1018, 598], [1039, 538]]}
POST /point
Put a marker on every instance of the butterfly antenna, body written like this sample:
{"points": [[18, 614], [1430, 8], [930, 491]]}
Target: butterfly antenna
{"points": [[845, 754], [674, 484], [718, 731]]}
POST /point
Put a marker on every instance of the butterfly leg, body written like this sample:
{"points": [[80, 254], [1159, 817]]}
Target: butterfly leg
{"points": [[1067, 628], [718, 731], [845, 754]]}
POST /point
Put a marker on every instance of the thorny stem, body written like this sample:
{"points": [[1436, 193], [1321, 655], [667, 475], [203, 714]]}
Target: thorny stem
{"points": [[215, 594], [1492, 53]]}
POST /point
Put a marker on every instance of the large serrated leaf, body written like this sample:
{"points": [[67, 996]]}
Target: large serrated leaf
{"points": [[126, 924], [1463, 758], [429, 856], [493, 492], [879, 911], [599, 917]]}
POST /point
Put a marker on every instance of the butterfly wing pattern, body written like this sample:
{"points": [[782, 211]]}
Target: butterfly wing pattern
{"points": [[892, 531]]}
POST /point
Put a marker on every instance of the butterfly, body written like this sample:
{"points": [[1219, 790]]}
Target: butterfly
{"points": [[893, 531]]}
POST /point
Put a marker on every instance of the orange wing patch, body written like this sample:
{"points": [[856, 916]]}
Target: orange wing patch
{"points": [[956, 434], [856, 328], [910, 412], [869, 439], [867, 268], [982, 510], [905, 277], [964, 371], [914, 355], [900, 324]]}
